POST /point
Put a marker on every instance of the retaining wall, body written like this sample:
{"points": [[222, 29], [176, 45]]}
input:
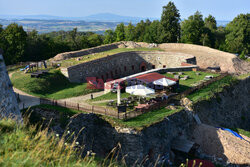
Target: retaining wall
{"points": [[125, 64]]}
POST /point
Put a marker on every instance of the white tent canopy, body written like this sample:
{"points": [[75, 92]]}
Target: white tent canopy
{"points": [[140, 90], [164, 82]]}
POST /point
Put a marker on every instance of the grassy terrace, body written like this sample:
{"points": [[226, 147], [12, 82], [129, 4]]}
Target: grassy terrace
{"points": [[53, 85], [193, 79], [210, 90], [144, 120], [86, 58]]}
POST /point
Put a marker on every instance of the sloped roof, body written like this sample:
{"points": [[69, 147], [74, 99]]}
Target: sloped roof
{"points": [[151, 77]]}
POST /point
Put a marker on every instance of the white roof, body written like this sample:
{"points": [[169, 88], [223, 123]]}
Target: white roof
{"points": [[164, 82], [140, 90]]}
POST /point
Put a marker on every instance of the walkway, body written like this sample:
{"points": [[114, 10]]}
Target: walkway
{"points": [[27, 100]]}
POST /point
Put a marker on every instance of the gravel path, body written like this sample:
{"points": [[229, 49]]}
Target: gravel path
{"points": [[27, 100]]}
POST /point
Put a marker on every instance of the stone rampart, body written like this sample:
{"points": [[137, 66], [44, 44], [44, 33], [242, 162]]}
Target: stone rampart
{"points": [[123, 64], [8, 101]]}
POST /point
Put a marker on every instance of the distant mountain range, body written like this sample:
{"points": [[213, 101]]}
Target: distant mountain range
{"points": [[102, 17], [96, 23]]}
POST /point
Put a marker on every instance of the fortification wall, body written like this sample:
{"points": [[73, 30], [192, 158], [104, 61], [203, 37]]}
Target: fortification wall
{"points": [[207, 57], [8, 102], [83, 52], [124, 64]]}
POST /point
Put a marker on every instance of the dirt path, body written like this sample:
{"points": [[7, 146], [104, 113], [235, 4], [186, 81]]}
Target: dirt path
{"points": [[82, 99], [27, 100]]}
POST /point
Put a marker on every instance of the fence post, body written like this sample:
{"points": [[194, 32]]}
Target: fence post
{"points": [[105, 111], [78, 106], [92, 109], [64, 103]]}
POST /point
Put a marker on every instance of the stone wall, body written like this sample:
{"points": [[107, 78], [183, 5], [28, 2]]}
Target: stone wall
{"points": [[229, 108], [100, 137], [208, 57], [124, 64], [83, 52], [8, 102]]}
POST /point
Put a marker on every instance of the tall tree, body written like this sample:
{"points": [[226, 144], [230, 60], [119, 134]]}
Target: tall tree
{"points": [[210, 31], [140, 31], [120, 32], [192, 29], [109, 36], [153, 33], [170, 20], [13, 43], [238, 37], [130, 32]]}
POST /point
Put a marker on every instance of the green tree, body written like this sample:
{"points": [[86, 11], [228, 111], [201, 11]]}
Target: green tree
{"points": [[109, 36], [95, 40], [153, 32], [210, 31], [192, 29], [13, 43], [130, 32], [170, 20], [140, 30], [120, 32], [220, 35], [238, 37]]}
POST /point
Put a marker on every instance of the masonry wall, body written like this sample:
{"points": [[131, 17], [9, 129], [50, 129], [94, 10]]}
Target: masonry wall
{"points": [[124, 64], [8, 102], [83, 52]]}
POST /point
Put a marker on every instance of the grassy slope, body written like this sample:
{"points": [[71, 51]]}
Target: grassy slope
{"points": [[86, 58], [53, 85], [24, 146], [208, 91], [144, 120]]}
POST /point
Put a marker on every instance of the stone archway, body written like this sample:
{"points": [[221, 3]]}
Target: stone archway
{"points": [[143, 67]]}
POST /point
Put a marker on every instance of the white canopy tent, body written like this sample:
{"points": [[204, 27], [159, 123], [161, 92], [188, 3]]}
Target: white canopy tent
{"points": [[140, 90], [164, 82]]}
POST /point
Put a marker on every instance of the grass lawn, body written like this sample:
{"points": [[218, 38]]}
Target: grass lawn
{"points": [[109, 96], [208, 91], [193, 78], [53, 85], [86, 58], [144, 120]]}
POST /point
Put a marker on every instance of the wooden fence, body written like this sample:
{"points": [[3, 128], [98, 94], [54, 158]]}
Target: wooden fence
{"points": [[82, 107], [128, 115]]}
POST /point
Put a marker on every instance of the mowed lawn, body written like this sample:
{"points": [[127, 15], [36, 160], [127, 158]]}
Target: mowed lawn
{"points": [[193, 78], [53, 85]]}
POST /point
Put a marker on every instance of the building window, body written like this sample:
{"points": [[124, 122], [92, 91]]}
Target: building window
{"points": [[125, 68], [164, 66], [133, 67], [153, 66]]}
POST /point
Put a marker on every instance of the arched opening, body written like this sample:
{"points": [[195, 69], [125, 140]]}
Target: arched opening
{"points": [[143, 67]]}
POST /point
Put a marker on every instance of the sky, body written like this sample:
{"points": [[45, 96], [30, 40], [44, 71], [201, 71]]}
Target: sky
{"points": [[221, 9]]}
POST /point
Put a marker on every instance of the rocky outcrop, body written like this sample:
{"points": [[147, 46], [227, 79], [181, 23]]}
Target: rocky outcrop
{"points": [[100, 137], [8, 101], [229, 108]]}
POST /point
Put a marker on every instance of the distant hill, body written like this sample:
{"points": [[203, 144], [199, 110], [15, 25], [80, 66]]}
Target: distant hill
{"points": [[96, 23]]}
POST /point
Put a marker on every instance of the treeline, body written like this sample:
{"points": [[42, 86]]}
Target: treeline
{"points": [[19, 45]]}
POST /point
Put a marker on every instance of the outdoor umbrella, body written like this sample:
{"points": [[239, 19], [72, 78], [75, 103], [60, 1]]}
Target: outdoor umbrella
{"points": [[140, 90], [164, 82]]}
